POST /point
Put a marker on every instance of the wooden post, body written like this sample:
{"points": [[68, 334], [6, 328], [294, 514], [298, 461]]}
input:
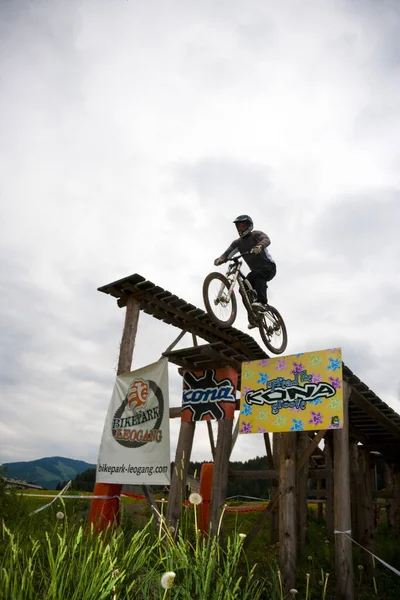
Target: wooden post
{"points": [[342, 507], [355, 491], [320, 508], [220, 478], [328, 451], [179, 473], [274, 536], [366, 507], [302, 489], [390, 513], [396, 501], [105, 512], [206, 477], [287, 510]]}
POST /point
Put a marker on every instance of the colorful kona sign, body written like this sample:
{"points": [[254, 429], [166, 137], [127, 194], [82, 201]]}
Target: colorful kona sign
{"points": [[293, 393]]}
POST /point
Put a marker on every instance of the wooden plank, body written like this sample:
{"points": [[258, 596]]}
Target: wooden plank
{"points": [[287, 511], [342, 508]]}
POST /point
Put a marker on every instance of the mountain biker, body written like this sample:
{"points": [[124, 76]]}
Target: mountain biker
{"points": [[254, 245]]}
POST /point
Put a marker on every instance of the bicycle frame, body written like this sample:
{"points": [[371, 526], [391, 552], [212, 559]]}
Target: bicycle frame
{"points": [[234, 274]]}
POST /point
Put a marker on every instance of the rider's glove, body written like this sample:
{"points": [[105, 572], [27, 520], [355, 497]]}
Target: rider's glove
{"points": [[257, 249], [218, 261]]}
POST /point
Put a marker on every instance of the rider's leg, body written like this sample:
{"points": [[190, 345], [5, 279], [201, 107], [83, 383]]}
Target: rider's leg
{"points": [[249, 313], [258, 279]]}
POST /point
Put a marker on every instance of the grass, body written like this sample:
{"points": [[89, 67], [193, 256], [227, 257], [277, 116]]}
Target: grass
{"points": [[46, 558]]}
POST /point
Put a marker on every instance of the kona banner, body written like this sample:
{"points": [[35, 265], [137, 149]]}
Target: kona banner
{"points": [[209, 394], [302, 392], [135, 445]]}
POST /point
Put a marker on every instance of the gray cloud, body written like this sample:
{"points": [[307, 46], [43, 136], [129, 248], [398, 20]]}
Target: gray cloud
{"points": [[132, 135]]}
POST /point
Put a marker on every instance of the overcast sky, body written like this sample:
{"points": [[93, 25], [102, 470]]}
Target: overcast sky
{"points": [[132, 133]]}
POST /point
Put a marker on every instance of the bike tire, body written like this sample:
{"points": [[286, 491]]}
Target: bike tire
{"points": [[271, 324], [210, 299]]}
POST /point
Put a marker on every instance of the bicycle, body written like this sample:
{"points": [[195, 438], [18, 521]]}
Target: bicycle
{"points": [[220, 302]]}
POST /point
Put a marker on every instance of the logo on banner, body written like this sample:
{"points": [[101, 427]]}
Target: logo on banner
{"points": [[209, 395], [138, 420]]}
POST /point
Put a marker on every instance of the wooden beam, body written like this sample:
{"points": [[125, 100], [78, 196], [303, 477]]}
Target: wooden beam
{"points": [[358, 399], [99, 515], [366, 509], [328, 452], [220, 477], [274, 526], [342, 508], [260, 521], [179, 473], [303, 445], [310, 448], [211, 438], [388, 475], [287, 511], [175, 412], [271, 474], [243, 474], [235, 434], [128, 336]]}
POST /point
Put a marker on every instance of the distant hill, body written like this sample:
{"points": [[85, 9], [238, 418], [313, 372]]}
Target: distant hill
{"points": [[47, 472]]}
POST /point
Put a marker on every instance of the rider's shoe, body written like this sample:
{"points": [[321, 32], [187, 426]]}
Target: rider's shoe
{"points": [[259, 306], [251, 325]]}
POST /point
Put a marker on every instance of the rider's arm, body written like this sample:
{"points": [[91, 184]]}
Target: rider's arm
{"points": [[229, 252], [262, 240]]}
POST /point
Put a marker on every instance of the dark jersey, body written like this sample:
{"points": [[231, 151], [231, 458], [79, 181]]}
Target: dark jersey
{"points": [[245, 244]]}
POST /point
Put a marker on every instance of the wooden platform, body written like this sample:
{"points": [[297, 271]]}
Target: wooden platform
{"points": [[372, 421], [171, 309]]}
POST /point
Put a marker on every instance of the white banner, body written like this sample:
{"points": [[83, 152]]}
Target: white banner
{"points": [[135, 445]]}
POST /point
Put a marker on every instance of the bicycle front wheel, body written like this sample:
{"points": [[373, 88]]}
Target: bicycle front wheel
{"points": [[221, 306], [273, 330]]}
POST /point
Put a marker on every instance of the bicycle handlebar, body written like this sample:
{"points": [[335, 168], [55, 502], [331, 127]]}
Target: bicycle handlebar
{"points": [[236, 258]]}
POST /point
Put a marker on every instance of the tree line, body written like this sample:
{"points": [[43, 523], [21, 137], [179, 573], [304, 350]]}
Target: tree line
{"points": [[258, 488]]}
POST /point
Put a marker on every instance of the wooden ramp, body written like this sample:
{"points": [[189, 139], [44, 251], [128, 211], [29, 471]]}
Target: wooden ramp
{"points": [[171, 309]]}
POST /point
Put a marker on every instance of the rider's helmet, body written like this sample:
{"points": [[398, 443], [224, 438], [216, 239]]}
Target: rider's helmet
{"points": [[244, 219]]}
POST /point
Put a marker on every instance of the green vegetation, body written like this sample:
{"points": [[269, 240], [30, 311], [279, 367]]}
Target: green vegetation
{"points": [[45, 557], [47, 472]]}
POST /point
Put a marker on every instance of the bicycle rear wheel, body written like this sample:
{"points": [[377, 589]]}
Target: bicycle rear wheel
{"points": [[221, 306], [273, 330]]}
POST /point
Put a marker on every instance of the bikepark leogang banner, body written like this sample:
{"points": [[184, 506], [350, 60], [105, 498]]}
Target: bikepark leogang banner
{"points": [[135, 446], [209, 394], [301, 392]]}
